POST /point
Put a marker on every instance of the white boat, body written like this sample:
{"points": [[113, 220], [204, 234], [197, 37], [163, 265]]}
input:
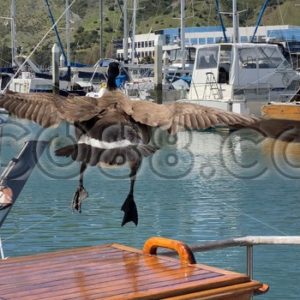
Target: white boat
{"points": [[174, 70], [83, 80], [241, 77]]}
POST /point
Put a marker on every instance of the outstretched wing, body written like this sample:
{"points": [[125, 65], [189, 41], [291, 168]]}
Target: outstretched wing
{"points": [[178, 116], [38, 107], [48, 109]]}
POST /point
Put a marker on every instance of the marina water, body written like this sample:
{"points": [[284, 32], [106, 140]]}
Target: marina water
{"points": [[202, 186]]}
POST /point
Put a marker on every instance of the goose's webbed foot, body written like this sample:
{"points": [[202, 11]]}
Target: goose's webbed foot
{"points": [[130, 211], [79, 196]]}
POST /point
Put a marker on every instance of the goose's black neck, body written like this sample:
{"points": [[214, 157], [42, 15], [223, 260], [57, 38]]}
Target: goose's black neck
{"points": [[112, 73]]}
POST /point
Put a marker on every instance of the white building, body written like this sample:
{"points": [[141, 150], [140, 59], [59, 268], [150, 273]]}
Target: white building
{"points": [[144, 43]]}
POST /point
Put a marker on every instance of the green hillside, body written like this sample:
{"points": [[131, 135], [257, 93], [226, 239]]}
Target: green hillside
{"points": [[33, 22]]}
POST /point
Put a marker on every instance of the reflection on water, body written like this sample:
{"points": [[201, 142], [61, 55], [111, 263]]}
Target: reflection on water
{"points": [[210, 186], [284, 156]]}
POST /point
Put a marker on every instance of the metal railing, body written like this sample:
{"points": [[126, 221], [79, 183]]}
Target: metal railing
{"points": [[248, 241]]}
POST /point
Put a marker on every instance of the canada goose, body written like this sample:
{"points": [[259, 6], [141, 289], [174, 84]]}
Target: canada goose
{"points": [[113, 129]]}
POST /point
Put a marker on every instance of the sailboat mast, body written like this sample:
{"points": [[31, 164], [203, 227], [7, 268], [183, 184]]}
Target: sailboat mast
{"points": [[68, 33], [182, 32], [125, 42], [13, 31], [101, 28], [133, 30], [235, 22]]}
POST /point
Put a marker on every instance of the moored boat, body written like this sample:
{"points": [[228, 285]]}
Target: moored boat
{"points": [[241, 77]]}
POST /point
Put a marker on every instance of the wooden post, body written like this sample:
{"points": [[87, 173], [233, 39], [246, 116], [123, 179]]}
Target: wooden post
{"points": [[158, 71], [55, 68]]}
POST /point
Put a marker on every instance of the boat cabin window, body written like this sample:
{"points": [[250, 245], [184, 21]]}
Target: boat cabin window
{"points": [[207, 58], [225, 63], [247, 58], [176, 55], [191, 54], [270, 57], [261, 57]]}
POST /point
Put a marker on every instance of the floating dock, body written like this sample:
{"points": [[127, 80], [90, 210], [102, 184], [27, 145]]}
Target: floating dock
{"points": [[119, 272]]}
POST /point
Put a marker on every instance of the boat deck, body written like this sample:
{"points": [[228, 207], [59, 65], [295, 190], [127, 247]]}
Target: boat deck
{"points": [[116, 272]]}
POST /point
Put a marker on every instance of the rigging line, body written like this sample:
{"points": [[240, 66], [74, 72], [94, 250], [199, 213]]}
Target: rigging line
{"points": [[38, 45], [193, 12], [287, 44], [158, 7], [209, 15], [35, 224], [120, 8], [254, 218], [7, 62], [32, 226], [116, 24]]}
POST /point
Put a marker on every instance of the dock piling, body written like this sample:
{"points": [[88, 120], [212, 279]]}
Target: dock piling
{"points": [[158, 71], [55, 68]]}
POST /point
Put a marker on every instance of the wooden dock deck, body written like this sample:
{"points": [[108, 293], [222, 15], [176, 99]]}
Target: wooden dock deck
{"points": [[117, 272]]}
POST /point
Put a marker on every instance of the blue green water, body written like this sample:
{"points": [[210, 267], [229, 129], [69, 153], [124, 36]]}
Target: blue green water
{"points": [[212, 186]]}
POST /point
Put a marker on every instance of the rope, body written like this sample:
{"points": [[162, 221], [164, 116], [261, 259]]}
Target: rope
{"points": [[38, 45], [281, 16], [32, 226]]}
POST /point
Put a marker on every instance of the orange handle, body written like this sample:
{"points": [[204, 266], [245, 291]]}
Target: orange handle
{"points": [[185, 253], [263, 289]]}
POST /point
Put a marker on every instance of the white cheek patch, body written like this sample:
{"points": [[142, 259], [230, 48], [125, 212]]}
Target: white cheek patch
{"points": [[84, 139]]}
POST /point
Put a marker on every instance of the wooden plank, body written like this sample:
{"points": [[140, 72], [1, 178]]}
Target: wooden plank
{"points": [[94, 271], [119, 274], [44, 257], [63, 261], [108, 291], [89, 284], [107, 272], [224, 293]]}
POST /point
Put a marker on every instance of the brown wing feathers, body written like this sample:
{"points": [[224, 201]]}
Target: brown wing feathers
{"points": [[37, 107], [50, 109], [179, 116]]}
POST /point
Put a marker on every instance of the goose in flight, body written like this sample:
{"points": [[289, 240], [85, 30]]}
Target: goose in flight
{"points": [[113, 130]]}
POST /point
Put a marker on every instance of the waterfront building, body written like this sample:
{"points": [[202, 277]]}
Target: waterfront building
{"points": [[144, 43]]}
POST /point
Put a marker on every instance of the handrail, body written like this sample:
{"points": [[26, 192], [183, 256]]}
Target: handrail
{"points": [[183, 250], [246, 241]]}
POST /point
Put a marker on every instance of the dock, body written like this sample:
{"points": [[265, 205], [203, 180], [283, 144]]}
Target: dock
{"points": [[116, 271]]}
